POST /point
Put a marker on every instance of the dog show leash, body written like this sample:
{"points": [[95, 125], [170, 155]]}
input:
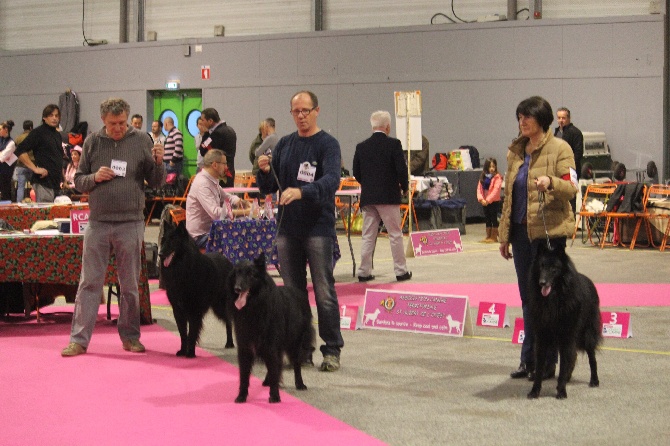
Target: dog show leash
{"points": [[541, 199]]}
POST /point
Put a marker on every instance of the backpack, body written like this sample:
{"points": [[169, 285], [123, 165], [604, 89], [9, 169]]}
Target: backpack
{"points": [[474, 156], [440, 161]]}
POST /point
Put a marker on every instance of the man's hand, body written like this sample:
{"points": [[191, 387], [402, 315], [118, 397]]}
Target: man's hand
{"points": [[264, 163], [103, 174], [41, 171]]}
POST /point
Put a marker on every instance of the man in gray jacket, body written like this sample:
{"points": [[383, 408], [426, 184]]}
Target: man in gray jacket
{"points": [[114, 165]]}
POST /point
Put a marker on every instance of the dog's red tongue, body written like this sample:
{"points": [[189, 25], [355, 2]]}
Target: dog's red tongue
{"points": [[241, 300], [546, 290], [168, 260]]}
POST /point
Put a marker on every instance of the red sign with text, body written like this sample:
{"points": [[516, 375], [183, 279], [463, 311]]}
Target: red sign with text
{"points": [[616, 324], [518, 334], [78, 220], [492, 314]]}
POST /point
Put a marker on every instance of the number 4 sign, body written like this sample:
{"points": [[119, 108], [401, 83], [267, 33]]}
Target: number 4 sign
{"points": [[616, 325], [492, 314]]}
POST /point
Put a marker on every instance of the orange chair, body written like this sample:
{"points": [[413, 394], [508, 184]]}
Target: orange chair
{"points": [[347, 214], [593, 208], [180, 200], [617, 217], [178, 215], [654, 193], [404, 208]]}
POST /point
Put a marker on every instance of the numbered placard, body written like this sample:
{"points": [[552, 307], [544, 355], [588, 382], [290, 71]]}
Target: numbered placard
{"points": [[616, 324], [351, 317], [518, 334], [492, 314]]}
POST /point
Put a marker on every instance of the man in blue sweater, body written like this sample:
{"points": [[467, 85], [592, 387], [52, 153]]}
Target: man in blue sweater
{"points": [[307, 167]]}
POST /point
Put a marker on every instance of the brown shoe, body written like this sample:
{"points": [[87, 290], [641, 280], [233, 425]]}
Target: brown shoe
{"points": [[73, 349], [133, 345]]}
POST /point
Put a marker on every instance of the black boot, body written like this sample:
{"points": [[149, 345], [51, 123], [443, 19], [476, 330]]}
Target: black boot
{"points": [[523, 371]]}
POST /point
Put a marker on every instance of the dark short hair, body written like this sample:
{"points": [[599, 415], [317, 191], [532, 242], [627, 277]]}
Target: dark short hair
{"points": [[312, 96], [49, 109], [137, 115], [211, 113], [565, 109], [270, 122], [27, 124], [160, 124], [538, 108]]}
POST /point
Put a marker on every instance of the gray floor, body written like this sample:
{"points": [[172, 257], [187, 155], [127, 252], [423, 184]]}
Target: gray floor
{"points": [[417, 389]]}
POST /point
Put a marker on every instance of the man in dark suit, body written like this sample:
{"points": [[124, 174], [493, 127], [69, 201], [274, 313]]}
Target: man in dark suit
{"points": [[381, 168], [219, 136]]}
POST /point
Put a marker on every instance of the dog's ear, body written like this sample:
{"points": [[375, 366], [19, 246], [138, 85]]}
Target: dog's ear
{"points": [[260, 261]]}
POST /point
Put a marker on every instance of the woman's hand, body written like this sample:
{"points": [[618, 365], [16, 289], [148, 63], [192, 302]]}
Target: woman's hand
{"points": [[543, 183], [504, 251]]}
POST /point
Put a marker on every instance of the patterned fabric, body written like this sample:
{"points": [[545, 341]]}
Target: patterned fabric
{"points": [[21, 218], [244, 239], [57, 259], [247, 239]]}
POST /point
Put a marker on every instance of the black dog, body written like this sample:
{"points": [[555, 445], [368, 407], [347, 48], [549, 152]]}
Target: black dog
{"points": [[565, 315], [194, 282], [269, 321]]}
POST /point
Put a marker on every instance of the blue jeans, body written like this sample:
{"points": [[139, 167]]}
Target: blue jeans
{"points": [[101, 238], [23, 175], [523, 252], [294, 253]]}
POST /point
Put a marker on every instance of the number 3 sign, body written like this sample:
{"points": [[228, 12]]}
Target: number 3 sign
{"points": [[616, 324]]}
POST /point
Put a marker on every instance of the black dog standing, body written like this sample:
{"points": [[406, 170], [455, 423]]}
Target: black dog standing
{"points": [[194, 282], [565, 313], [269, 321]]}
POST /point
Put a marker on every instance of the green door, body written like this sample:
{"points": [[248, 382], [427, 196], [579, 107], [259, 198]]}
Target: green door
{"points": [[184, 107]]}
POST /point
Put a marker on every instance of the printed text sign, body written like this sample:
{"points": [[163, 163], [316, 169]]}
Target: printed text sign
{"points": [[492, 314], [443, 241], [616, 324], [518, 334], [78, 220], [415, 312]]}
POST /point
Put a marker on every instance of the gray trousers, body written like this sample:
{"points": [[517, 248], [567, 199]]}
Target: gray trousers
{"points": [[44, 194], [125, 240], [390, 215]]}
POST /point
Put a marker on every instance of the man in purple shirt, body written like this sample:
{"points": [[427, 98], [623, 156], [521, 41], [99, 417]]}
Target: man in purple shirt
{"points": [[206, 201]]}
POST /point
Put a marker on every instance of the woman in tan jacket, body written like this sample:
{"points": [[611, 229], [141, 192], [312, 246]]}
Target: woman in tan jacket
{"points": [[536, 163]]}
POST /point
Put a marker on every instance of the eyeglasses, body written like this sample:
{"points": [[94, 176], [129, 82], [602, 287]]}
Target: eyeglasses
{"points": [[304, 112]]}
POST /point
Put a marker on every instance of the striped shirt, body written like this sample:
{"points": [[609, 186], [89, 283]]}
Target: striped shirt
{"points": [[174, 146]]}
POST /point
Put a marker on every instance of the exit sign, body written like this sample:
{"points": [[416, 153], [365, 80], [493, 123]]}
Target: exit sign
{"points": [[172, 85]]}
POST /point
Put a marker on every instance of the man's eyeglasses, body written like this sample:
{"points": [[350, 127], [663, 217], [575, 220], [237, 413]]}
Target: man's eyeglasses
{"points": [[304, 112]]}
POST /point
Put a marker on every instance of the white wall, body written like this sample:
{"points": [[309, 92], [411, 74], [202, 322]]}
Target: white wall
{"points": [[472, 76]]}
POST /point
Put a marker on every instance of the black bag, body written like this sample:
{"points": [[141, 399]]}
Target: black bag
{"points": [[11, 298], [151, 253]]}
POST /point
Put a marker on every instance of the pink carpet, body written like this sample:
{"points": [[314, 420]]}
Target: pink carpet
{"points": [[111, 397], [611, 294]]}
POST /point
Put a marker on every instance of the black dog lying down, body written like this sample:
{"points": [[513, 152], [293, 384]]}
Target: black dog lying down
{"points": [[269, 321], [565, 314], [194, 282]]}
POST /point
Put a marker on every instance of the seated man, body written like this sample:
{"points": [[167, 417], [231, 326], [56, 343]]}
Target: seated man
{"points": [[206, 201]]}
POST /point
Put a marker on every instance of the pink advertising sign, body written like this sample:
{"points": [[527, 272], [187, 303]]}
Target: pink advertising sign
{"points": [[416, 312], [616, 324], [78, 220], [443, 241]]}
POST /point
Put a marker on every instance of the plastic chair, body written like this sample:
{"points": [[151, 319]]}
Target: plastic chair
{"points": [[180, 200], [654, 193], [178, 215], [592, 210], [404, 207], [617, 217], [347, 214]]}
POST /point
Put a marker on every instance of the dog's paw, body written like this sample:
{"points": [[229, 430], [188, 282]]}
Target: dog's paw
{"points": [[533, 394], [594, 383], [301, 387], [274, 399], [229, 345], [241, 398], [181, 353], [266, 383], [561, 395], [190, 355]]}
